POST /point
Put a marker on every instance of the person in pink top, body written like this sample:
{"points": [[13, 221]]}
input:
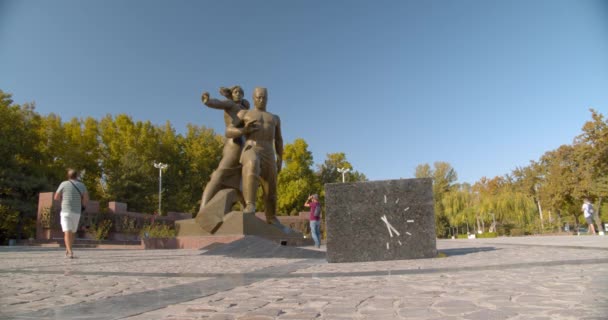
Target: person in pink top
{"points": [[315, 218]]}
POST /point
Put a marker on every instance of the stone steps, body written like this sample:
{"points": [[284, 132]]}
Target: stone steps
{"points": [[85, 243]]}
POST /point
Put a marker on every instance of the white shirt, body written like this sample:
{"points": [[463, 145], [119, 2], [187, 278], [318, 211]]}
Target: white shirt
{"points": [[586, 207]]}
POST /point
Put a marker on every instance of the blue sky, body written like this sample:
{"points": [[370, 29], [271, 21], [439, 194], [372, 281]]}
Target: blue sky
{"points": [[484, 85]]}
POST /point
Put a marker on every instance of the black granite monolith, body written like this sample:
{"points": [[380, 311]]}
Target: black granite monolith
{"points": [[380, 220]]}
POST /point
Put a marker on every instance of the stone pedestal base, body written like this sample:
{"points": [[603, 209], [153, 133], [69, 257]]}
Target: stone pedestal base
{"points": [[212, 215], [236, 223]]}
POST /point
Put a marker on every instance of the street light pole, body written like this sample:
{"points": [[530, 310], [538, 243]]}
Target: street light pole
{"points": [[343, 171], [160, 166]]}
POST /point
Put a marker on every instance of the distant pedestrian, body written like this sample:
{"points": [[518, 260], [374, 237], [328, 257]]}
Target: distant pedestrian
{"points": [[74, 197], [588, 213], [315, 218]]}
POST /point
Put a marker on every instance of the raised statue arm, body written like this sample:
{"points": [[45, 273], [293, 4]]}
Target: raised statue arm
{"points": [[217, 104]]}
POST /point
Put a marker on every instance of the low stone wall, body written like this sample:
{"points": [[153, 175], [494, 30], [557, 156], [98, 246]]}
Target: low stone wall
{"points": [[126, 225], [298, 223]]}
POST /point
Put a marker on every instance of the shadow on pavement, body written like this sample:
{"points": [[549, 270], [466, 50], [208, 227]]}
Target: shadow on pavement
{"points": [[463, 251], [256, 247]]}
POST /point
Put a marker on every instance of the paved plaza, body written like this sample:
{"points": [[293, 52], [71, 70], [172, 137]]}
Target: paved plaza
{"points": [[562, 277]]}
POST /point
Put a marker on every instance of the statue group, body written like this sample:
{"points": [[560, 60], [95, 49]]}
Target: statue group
{"points": [[253, 150]]}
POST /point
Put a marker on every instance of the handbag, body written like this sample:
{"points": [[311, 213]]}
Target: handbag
{"points": [[82, 207]]}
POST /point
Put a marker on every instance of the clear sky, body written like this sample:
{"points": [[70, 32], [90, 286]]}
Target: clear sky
{"points": [[484, 85]]}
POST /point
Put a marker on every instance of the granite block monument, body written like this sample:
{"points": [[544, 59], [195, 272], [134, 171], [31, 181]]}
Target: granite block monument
{"points": [[380, 220]]}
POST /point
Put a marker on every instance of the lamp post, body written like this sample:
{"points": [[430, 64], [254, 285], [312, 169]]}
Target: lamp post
{"points": [[343, 171], [160, 166]]}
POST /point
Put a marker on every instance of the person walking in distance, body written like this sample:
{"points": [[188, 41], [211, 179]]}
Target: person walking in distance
{"points": [[74, 197], [588, 213], [315, 218]]}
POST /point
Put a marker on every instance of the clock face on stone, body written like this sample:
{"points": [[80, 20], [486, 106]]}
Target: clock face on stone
{"points": [[380, 220], [394, 236]]}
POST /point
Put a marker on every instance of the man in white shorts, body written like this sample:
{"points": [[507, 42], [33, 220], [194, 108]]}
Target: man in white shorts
{"points": [[74, 197], [588, 213]]}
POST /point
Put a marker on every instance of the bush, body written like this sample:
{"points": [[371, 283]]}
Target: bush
{"points": [[126, 224], [9, 219], [29, 228], [516, 232], [487, 235], [157, 230], [102, 229], [553, 226], [504, 229], [462, 236]]}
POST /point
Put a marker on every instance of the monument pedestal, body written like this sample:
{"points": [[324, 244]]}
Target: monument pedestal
{"points": [[217, 223], [236, 225], [211, 216]]}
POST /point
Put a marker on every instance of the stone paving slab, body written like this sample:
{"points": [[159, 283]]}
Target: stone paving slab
{"points": [[504, 278]]}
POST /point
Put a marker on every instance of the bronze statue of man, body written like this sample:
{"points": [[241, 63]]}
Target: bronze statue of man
{"points": [[263, 139], [228, 172]]}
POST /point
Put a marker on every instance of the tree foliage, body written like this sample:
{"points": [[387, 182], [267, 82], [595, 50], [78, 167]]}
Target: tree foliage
{"points": [[444, 177], [22, 173], [537, 198], [116, 156], [328, 171], [296, 179]]}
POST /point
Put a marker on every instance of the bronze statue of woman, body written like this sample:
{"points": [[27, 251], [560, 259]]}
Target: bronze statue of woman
{"points": [[228, 172]]}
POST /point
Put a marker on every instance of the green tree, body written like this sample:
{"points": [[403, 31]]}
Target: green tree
{"points": [[71, 145], [53, 146], [128, 151], [296, 181], [561, 182], [22, 174], [202, 152], [423, 171], [458, 206], [594, 140], [83, 152], [528, 181], [444, 177], [328, 171], [176, 195]]}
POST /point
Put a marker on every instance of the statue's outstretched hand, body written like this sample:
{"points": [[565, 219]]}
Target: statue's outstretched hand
{"points": [[205, 97]]}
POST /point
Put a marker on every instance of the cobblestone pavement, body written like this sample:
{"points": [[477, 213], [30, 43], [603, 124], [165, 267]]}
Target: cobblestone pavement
{"points": [[505, 278]]}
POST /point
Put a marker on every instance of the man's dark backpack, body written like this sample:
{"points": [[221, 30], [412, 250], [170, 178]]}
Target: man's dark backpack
{"points": [[317, 212]]}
